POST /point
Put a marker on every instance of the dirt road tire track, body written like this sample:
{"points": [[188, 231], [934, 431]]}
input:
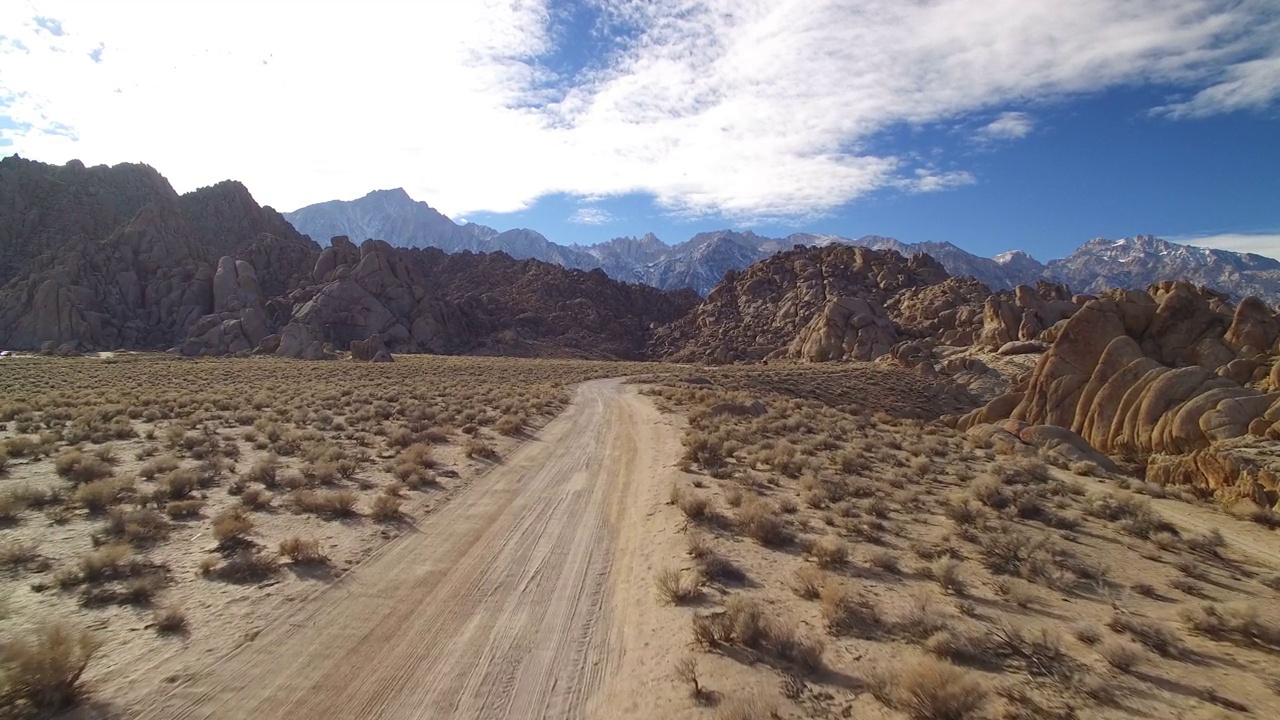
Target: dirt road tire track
{"points": [[498, 607]]}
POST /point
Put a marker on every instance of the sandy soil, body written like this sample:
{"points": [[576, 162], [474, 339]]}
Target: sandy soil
{"points": [[504, 604]]}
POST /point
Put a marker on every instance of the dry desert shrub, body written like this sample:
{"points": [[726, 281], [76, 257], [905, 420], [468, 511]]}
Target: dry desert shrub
{"points": [[106, 563], [232, 526], [744, 623], [157, 466], [885, 561], [42, 671], [255, 498], [170, 619], [677, 587], [846, 611], [180, 483], [386, 508], [80, 467], [510, 425], [266, 471], [751, 707], [1122, 655], [965, 645], [182, 509], [302, 551], [1155, 636], [718, 568], [1210, 543], [245, 566], [946, 573], [830, 551], [761, 520], [694, 505], [99, 495], [686, 671], [808, 582], [928, 689], [1239, 623], [478, 448], [327, 503], [1253, 512], [412, 464], [17, 553], [139, 527]]}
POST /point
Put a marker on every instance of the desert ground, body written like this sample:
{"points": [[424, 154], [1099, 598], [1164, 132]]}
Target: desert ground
{"points": [[502, 538]]}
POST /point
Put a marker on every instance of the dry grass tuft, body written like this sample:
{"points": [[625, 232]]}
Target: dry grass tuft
{"points": [[1122, 655], [99, 495], [327, 503], [386, 508], [303, 551], [170, 619], [927, 689], [42, 672], [232, 526], [1157, 637], [830, 551], [1239, 623], [808, 582], [849, 612], [246, 566], [678, 587], [763, 522], [80, 467]]}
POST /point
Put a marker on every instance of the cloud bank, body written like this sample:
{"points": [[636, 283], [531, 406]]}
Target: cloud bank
{"points": [[1267, 244], [761, 109]]}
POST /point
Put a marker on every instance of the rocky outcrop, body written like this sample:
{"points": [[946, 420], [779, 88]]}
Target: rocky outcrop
{"points": [[947, 313], [848, 328], [127, 263], [147, 281], [46, 207], [811, 303], [1172, 379], [1026, 313]]}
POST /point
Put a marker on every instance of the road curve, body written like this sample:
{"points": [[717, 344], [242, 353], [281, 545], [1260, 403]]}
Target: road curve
{"points": [[497, 607]]}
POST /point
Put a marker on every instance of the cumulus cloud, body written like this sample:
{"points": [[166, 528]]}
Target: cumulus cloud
{"points": [[1267, 244], [1007, 126], [591, 216], [762, 109]]}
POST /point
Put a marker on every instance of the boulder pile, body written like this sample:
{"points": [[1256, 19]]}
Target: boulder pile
{"points": [[1173, 379]]}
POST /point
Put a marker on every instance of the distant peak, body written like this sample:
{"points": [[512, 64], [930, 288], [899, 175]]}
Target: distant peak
{"points": [[394, 194], [1009, 256]]}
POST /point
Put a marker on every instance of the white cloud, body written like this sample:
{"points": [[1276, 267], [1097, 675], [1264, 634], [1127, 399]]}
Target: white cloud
{"points": [[1251, 85], [1267, 244], [1007, 126], [591, 216], [926, 180], [762, 109]]}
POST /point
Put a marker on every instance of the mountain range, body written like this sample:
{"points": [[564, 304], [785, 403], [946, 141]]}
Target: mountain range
{"points": [[702, 261]]}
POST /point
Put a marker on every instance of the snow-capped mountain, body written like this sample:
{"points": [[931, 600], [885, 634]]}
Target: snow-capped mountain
{"points": [[1139, 261], [393, 216], [702, 261]]}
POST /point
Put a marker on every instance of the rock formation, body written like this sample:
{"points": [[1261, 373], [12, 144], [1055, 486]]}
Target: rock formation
{"points": [[213, 273], [811, 303], [1173, 379]]}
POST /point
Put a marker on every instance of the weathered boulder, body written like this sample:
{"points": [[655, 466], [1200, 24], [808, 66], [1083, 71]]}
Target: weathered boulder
{"points": [[1021, 347], [370, 350], [848, 328], [1252, 325]]}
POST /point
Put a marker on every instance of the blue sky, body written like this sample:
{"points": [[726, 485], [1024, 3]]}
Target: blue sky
{"points": [[992, 124]]}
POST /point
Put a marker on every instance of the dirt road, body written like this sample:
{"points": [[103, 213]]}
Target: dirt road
{"points": [[499, 606]]}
